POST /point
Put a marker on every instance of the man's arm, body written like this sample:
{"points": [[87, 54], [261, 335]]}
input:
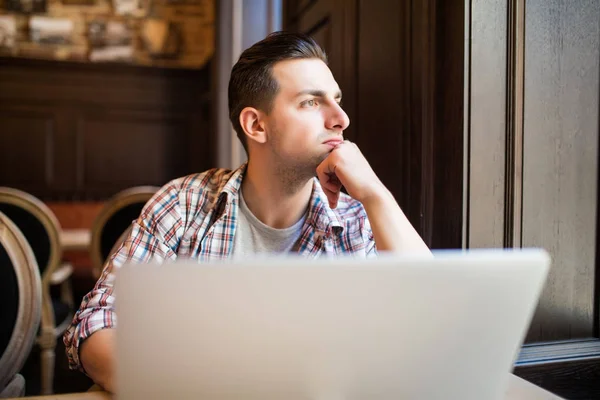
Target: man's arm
{"points": [[89, 341], [97, 354], [346, 166], [392, 231]]}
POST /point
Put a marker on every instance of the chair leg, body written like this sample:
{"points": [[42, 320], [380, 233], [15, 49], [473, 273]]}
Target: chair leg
{"points": [[47, 364], [47, 361]]}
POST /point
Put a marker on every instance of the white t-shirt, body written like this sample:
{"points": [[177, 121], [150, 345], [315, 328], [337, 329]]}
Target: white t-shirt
{"points": [[252, 236]]}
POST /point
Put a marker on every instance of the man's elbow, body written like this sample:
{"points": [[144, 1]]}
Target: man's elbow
{"points": [[96, 356]]}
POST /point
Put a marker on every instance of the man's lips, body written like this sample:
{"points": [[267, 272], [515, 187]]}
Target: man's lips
{"points": [[333, 142]]}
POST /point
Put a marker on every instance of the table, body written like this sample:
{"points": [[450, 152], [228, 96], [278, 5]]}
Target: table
{"points": [[518, 389], [75, 239]]}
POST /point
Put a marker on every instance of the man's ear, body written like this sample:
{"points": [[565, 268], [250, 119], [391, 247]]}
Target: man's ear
{"points": [[252, 123]]}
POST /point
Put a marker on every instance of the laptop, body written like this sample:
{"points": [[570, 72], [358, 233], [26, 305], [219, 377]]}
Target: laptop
{"points": [[447, 327]]}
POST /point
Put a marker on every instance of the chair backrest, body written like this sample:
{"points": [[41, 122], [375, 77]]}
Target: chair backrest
{"points": [[39, 226], [114, 219], [20, 299]]}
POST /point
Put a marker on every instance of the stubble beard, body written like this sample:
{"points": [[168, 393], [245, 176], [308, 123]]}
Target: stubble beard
{"points": [[295, 172]]}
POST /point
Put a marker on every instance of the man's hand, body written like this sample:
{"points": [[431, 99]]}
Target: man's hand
{"points": [[346, 166]]}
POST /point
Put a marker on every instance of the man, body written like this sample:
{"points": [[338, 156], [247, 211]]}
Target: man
{"points": [[286, 108]]}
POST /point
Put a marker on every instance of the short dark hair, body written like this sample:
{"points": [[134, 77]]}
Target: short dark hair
{"points": [[252, 83]]}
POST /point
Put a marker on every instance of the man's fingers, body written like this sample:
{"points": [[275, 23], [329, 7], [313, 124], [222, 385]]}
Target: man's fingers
{"points": [[332, 197], [328, 179], [332, 188], [323, 177], [333, 184], [330, 183]]}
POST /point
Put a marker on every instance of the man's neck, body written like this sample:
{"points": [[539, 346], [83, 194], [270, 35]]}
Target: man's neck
{"points": [[273, 200]]}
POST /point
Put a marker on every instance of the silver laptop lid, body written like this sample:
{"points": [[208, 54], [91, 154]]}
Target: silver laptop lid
{"points": [[447, 327]]}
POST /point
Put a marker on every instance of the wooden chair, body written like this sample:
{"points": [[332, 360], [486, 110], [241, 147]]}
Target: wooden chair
{"points": [[41, 230], [20, 306], [113, 221]]}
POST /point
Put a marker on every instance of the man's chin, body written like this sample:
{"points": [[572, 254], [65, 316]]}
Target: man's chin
{"points": [[307, 167], [322, 158]]}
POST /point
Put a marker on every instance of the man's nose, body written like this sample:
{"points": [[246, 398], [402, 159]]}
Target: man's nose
{"points": [[338, 119]]}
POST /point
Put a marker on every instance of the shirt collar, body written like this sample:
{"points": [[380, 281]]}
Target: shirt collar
{"points": [[320, 215], [233, 183]]}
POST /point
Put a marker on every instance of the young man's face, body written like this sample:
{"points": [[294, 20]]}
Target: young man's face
{"points": [[306, 121]]}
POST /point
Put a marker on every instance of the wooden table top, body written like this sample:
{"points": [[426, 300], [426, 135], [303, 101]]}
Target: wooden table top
{"points": [[518, 389]]}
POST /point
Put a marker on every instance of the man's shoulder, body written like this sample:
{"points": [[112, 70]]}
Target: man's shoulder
{"points": [[212, 180], [192, 192]]}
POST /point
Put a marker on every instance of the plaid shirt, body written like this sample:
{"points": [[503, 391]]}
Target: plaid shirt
{"points": [[195, 217]]}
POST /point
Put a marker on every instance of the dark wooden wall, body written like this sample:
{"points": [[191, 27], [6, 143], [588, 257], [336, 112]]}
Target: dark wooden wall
{"points": [[71, 131], [400, 66]]}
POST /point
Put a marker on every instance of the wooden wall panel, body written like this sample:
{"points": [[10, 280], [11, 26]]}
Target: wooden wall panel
{"points": [[27, 141], [410, 82], [400, 66], [55, 82], [444, 225], [487, 129], [560, 165], [539, 189], [83, 132], [383, 105], [130, 149]]}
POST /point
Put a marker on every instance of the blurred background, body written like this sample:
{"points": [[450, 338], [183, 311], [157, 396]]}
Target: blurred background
{"points": [[481, 117]]}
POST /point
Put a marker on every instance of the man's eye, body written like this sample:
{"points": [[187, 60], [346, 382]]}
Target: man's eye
{"points": [[308, 103]]}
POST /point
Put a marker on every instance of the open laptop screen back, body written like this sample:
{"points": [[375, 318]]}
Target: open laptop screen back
{"points": [[274, 328]]}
